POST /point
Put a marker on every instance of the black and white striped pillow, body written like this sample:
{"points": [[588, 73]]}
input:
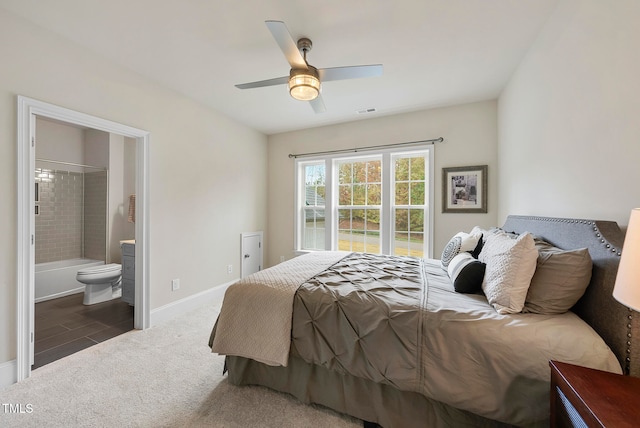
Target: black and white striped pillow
{"points": [[466, 273]]}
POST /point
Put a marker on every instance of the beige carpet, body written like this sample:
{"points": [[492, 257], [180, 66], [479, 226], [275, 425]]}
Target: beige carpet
{"points": [[165, 376]]}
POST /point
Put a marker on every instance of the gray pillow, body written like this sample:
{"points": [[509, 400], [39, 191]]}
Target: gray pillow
{"points": [[560, 279]]}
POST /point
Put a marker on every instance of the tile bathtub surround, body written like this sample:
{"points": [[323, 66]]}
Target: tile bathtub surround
{"points": [[58, 224], [95, 215], [72, 217]]}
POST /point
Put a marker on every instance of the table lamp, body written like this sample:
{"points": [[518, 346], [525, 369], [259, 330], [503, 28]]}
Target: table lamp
{"points": [[627, 286]]}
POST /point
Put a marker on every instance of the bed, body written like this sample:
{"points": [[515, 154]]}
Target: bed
{"points": [[391, 341]]}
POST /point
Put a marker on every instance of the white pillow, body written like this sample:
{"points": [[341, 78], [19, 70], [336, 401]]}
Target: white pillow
{"points": [[478, 230], [511, 264], [460, 243]]}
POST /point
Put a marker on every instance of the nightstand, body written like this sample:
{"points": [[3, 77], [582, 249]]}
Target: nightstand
{"points": [[583, 397]]}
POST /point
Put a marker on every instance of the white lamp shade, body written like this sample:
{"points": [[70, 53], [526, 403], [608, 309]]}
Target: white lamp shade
{"points": [[627, 286]]}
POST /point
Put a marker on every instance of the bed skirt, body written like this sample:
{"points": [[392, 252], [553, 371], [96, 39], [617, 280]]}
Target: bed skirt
{"points": [[358, 397]]}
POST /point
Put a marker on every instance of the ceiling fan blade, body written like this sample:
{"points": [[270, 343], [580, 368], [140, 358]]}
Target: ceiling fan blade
{"points": [[352, 72], [261, 83], [288, 46], [318, 104]]}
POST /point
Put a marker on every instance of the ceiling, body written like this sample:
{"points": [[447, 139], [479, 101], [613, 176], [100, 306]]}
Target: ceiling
{"points": [[435, 52]]}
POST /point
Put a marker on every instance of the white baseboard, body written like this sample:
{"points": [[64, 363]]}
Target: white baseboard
{"points": [[182, 306], [8, 374]]}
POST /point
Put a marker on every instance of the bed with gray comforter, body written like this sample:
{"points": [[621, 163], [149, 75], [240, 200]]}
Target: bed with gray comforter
{"points": [[388, 339]]}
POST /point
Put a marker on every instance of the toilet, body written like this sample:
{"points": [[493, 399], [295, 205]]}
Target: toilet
{"points": [[102, 283]]}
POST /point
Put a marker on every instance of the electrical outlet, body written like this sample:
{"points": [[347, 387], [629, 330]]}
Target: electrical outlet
{"points": [[175, 284], [281, 259], [229, 268]]}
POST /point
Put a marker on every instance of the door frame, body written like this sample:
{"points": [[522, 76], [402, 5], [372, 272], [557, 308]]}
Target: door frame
{"points": [[28, 109]]}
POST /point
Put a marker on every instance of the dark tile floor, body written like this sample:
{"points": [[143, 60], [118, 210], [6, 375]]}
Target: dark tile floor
{"points": [[64, 326]]}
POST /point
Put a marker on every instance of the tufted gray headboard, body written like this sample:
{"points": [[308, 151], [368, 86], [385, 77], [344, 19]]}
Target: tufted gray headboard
{"points": [[614, 322]]}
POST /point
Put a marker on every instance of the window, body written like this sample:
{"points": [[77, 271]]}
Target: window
{"points": [[409, 205], [378, 203], [359, 204], [314, 206]]}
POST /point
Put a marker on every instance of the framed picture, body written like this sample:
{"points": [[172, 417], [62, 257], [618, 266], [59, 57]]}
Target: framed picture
{"points": [[464, 189]]}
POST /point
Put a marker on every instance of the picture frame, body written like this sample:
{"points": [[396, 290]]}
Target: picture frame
{"points": [[464, 189]]}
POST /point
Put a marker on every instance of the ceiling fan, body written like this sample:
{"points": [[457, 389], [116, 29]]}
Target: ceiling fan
{"points": [[305, 80]]}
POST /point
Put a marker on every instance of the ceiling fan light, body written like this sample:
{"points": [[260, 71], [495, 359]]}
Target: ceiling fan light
{"points": [[304, 85]]}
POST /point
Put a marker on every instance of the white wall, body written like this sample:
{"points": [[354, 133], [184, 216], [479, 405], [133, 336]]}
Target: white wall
{"points": [[117, 211], [569, 119], [470, 133], [96, 149], [207, 173], [59, 142]]}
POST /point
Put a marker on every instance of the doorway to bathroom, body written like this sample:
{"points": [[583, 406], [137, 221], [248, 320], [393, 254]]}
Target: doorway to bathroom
{"points": [[107, 225], [84, 208]]}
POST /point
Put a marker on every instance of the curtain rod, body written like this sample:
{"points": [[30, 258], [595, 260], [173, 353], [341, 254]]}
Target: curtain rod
{"points": [[70, 164], [361, 149]]}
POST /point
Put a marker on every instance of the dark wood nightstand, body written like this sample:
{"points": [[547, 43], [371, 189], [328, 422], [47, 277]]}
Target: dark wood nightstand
{"points": [[583, 397]]}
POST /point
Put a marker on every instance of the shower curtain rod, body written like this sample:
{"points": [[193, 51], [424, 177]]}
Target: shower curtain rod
{"points": [[362, 149], [70, 164]]}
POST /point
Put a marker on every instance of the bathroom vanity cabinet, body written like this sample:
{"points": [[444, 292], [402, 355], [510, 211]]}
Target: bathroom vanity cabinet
{"points": [[128, 271]]}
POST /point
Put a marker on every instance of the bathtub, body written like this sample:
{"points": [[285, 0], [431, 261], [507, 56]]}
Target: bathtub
{"points": [[58, 279]]}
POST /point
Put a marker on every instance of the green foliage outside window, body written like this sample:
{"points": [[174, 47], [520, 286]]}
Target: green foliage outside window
{"points": [[359, 184], [410, 190], [358, 193]]}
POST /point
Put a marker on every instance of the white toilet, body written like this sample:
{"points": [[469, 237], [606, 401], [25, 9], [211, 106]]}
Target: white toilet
{"points": [[102, 283]]}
